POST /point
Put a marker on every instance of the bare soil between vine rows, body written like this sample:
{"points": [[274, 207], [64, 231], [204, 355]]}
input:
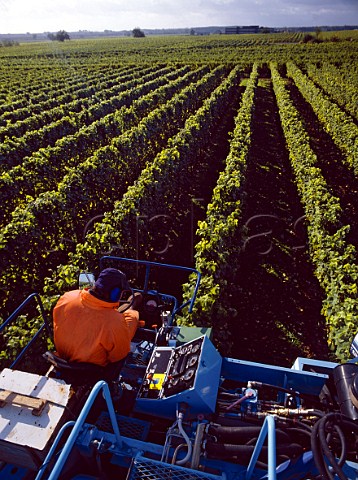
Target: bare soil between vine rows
{"points": [[273, 300], [275, 297], [340, 179]]}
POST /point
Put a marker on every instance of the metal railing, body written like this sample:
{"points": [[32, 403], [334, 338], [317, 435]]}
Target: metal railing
{"points": [[267, 430], [34, 297], [76, 430], [151, 265]]}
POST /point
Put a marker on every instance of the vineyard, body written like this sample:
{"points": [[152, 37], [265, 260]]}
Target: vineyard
{"points": [[236, 155]]}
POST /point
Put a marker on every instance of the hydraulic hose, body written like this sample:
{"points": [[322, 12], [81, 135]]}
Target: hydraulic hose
{"points": [[322, 434], [243, 452], [241, 435], [344, 446], [187, 440], [321, 465]]}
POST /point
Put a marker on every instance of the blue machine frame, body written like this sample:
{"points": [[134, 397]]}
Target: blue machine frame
{"points": [[143, 458], [145, 287], [183, 388]]}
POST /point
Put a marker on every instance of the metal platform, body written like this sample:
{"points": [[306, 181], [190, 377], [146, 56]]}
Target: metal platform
{"points": [[129, 427], [147, 469]]}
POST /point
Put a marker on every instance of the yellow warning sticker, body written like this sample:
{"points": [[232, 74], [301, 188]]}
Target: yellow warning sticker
{"points": [[157, 380]]}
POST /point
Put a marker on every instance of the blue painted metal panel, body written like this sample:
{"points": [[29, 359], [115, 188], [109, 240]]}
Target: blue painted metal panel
{"points": [[13, 472], [244, 371], [201, 398], [319, 366]]}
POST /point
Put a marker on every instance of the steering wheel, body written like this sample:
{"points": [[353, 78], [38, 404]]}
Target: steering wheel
{"points": [[134, 301]]}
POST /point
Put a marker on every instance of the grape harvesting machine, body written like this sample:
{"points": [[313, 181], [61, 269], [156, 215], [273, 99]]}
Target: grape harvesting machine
{"points": [[179, 409]]}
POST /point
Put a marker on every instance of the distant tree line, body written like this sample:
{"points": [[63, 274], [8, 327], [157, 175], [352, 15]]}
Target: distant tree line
{"points": [[60, 36], [138, 33]]}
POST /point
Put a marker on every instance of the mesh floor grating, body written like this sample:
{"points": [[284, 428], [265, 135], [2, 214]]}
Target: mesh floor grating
{"points": [[146, 469], [128, 427]]}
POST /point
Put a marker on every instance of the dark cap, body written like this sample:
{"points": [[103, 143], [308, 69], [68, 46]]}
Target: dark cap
{"points": [[111, 278]]}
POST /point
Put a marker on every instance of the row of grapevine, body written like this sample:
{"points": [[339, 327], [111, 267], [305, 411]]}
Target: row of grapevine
{"points": [[334, 260], [156, 178], [67, 119], [166, 186], [42, 170], [185, 49], [40, 234], [20, 84], [348, 72], [219, 234], [55, 95], [337, 123], [22, 87], [52, 85], [341, 91]]}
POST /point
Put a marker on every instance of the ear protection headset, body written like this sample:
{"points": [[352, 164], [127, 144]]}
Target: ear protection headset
{"points": [[115, 294]]}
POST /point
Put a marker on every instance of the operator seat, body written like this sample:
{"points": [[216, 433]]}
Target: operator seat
{"points": [[76, 373]]}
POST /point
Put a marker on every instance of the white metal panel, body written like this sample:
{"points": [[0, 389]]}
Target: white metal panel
{"points": [[36, 386], [17, 423]]}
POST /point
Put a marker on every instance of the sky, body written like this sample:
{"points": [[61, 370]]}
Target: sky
{"points": [[37, 16]]}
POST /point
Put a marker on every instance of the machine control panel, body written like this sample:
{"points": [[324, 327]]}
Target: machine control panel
{"points": [[187, 373], [183, 368], [171, 370]]}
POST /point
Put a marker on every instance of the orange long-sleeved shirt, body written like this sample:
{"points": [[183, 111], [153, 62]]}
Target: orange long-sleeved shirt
{"points": [[87, 329]]}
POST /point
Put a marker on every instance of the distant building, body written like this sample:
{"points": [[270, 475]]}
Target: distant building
{"points": [[243, 29]]}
